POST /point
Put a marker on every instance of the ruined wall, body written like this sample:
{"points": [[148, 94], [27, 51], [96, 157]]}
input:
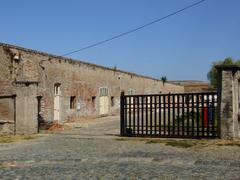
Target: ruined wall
{"points": [[83, 80], [6, 115], [16, 75], [6, 69], [76, 79]]}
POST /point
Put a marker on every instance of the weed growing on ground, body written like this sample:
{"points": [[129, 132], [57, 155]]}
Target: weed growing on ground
{"points": [[12, 138], [230, 144], [174, 143], [182, 144]]}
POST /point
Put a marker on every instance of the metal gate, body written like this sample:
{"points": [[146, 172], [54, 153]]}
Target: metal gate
{"points": [[187, 115]]}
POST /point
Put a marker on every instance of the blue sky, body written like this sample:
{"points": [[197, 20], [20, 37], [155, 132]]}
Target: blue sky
{"points": [[182, 47]]}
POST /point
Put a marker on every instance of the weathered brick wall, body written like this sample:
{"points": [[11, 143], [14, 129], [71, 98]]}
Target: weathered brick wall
{"points": [[78, 79], [6, 109], [13, 72], [6, 115], [6, 88], [6, 70]]}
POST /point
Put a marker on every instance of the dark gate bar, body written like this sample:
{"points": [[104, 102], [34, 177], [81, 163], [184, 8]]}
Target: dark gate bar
{"points": [[202, 127], [134, 115], [187, 101], [155, 115], [197, 107], [151, 115], [142, 106], [138, 117], [193, 116], [173, 115], [183, 115], [169, 123], [160, 115], [178, 114]]}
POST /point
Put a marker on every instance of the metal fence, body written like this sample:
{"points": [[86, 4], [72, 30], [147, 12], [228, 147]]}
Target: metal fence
{"points": [[188, 115]]}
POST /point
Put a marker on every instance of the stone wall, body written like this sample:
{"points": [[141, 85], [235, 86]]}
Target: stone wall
{"points": [[6, 115], [28, 74]]}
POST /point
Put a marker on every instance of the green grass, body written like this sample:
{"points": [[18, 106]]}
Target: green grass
{"points": [[229, 144], [12, 138], [181, 144], [123, 139], [174, 143], [153, 141]]}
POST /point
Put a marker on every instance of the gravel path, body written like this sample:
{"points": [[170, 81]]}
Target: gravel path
{"points": [[94, 151]]}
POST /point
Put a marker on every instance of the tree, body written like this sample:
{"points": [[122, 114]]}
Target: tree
{"points": [[212, 74], [164, 79]]}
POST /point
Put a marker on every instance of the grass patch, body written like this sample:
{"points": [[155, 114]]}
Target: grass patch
{"points": [[181, 144], [230, 144], [153, 142], [123, 139], [174, 143], [11, 138]]}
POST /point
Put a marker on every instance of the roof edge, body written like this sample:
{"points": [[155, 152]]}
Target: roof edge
{"points": [[78, 61]]}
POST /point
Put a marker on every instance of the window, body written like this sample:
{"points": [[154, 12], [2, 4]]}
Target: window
{"points": [[112, 101], [103, 91], [93, 100], [57, 89], [72, 102], [130, 91]]}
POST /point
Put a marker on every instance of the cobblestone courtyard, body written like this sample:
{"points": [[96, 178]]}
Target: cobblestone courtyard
{"points": [[94, 151]]}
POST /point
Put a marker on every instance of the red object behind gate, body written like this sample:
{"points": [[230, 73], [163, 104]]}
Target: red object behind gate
{"points": [[205, 119]]}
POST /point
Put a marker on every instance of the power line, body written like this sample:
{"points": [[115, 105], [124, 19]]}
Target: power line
{"points": [[135, 29]]}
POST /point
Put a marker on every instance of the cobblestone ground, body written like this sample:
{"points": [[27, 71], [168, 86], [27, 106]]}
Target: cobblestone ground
{"points": [[93, 151]]}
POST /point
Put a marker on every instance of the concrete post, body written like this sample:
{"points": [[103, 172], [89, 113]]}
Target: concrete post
{"points": [[229, 89], [26, 109]]}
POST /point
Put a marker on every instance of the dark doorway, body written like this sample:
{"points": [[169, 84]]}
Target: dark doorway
{"points": [[39, 115]]}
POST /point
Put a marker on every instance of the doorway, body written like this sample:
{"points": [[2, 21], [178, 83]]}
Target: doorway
{"points": [[57, 102], [39, 113], [103, 101]]}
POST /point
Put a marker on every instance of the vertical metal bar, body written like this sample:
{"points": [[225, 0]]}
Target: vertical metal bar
{"points": [[134, 114], [125, 114], [203, 129], [193, 116], [142, 113], [155, 114], [160, 115], [173, 113], [164, 115], [197, 107], [178, 114], [147, 115], [129, 111], [208, 115], [188, 114], [138, 123], [151, 115], [122, 114], [169, 115], [213, 115], [183, 114]]}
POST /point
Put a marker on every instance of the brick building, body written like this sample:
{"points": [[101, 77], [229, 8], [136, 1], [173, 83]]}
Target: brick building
{"points": [[194, 86], [39, 87]]}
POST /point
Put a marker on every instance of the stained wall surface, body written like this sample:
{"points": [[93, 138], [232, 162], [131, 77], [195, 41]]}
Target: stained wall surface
{"points": [[30, 74]]}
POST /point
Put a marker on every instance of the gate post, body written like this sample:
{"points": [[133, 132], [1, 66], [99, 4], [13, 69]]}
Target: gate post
{"points": [[122, 114], [228, 101]]}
